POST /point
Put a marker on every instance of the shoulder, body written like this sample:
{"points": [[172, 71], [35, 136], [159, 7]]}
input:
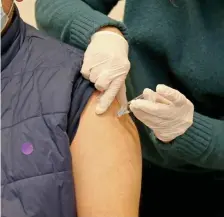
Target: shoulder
{"points": [[52, 51], [55, 68]]}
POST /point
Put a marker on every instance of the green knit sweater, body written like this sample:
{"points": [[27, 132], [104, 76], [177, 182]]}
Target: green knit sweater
{"points": [[180, 45]]}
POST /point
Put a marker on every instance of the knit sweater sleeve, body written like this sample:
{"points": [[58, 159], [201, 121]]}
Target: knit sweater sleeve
{"points": [[201, 145], [74, 21]]}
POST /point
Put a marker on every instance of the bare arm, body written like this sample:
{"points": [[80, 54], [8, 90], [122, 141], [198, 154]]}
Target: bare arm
{"points": [[106, 164]]}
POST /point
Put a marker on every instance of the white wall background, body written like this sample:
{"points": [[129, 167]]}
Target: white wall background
{"points": [[26, 8]]}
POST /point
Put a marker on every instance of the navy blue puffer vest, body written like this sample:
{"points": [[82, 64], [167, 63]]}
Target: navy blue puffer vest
{"points": [[42, 96]]}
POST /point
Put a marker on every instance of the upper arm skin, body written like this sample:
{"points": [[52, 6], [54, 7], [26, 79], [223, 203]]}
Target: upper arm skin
{"points": [[106, 160]]}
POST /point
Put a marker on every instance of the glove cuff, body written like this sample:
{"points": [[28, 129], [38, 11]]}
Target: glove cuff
{"points": [[196, 139], [82, 28], [193, 143], [110, 33]]}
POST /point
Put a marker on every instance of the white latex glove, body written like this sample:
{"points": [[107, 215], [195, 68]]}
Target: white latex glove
{"points": [[167, 112], [106, 65]]}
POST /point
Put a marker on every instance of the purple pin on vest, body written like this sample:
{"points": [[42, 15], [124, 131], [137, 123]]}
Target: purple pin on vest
{"points": [[27, 148]]}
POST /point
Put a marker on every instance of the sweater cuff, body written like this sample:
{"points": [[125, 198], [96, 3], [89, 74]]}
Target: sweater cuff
{"points": [[194, 142], [82, 28]]}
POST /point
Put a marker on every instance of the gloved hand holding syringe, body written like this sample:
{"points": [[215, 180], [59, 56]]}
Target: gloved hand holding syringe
{"points": [[166, 111], [125, 109]]}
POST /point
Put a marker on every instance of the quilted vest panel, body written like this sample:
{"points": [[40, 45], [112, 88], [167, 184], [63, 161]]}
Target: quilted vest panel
{"points": [[37, 90]]}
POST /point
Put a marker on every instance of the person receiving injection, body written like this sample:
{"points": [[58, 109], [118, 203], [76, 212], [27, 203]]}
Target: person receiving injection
{"points": [[60, 159]]}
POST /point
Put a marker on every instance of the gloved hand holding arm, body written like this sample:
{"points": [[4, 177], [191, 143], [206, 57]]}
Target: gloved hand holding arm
{"points": [[84, 24], [179, 130], [106, 65]]}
